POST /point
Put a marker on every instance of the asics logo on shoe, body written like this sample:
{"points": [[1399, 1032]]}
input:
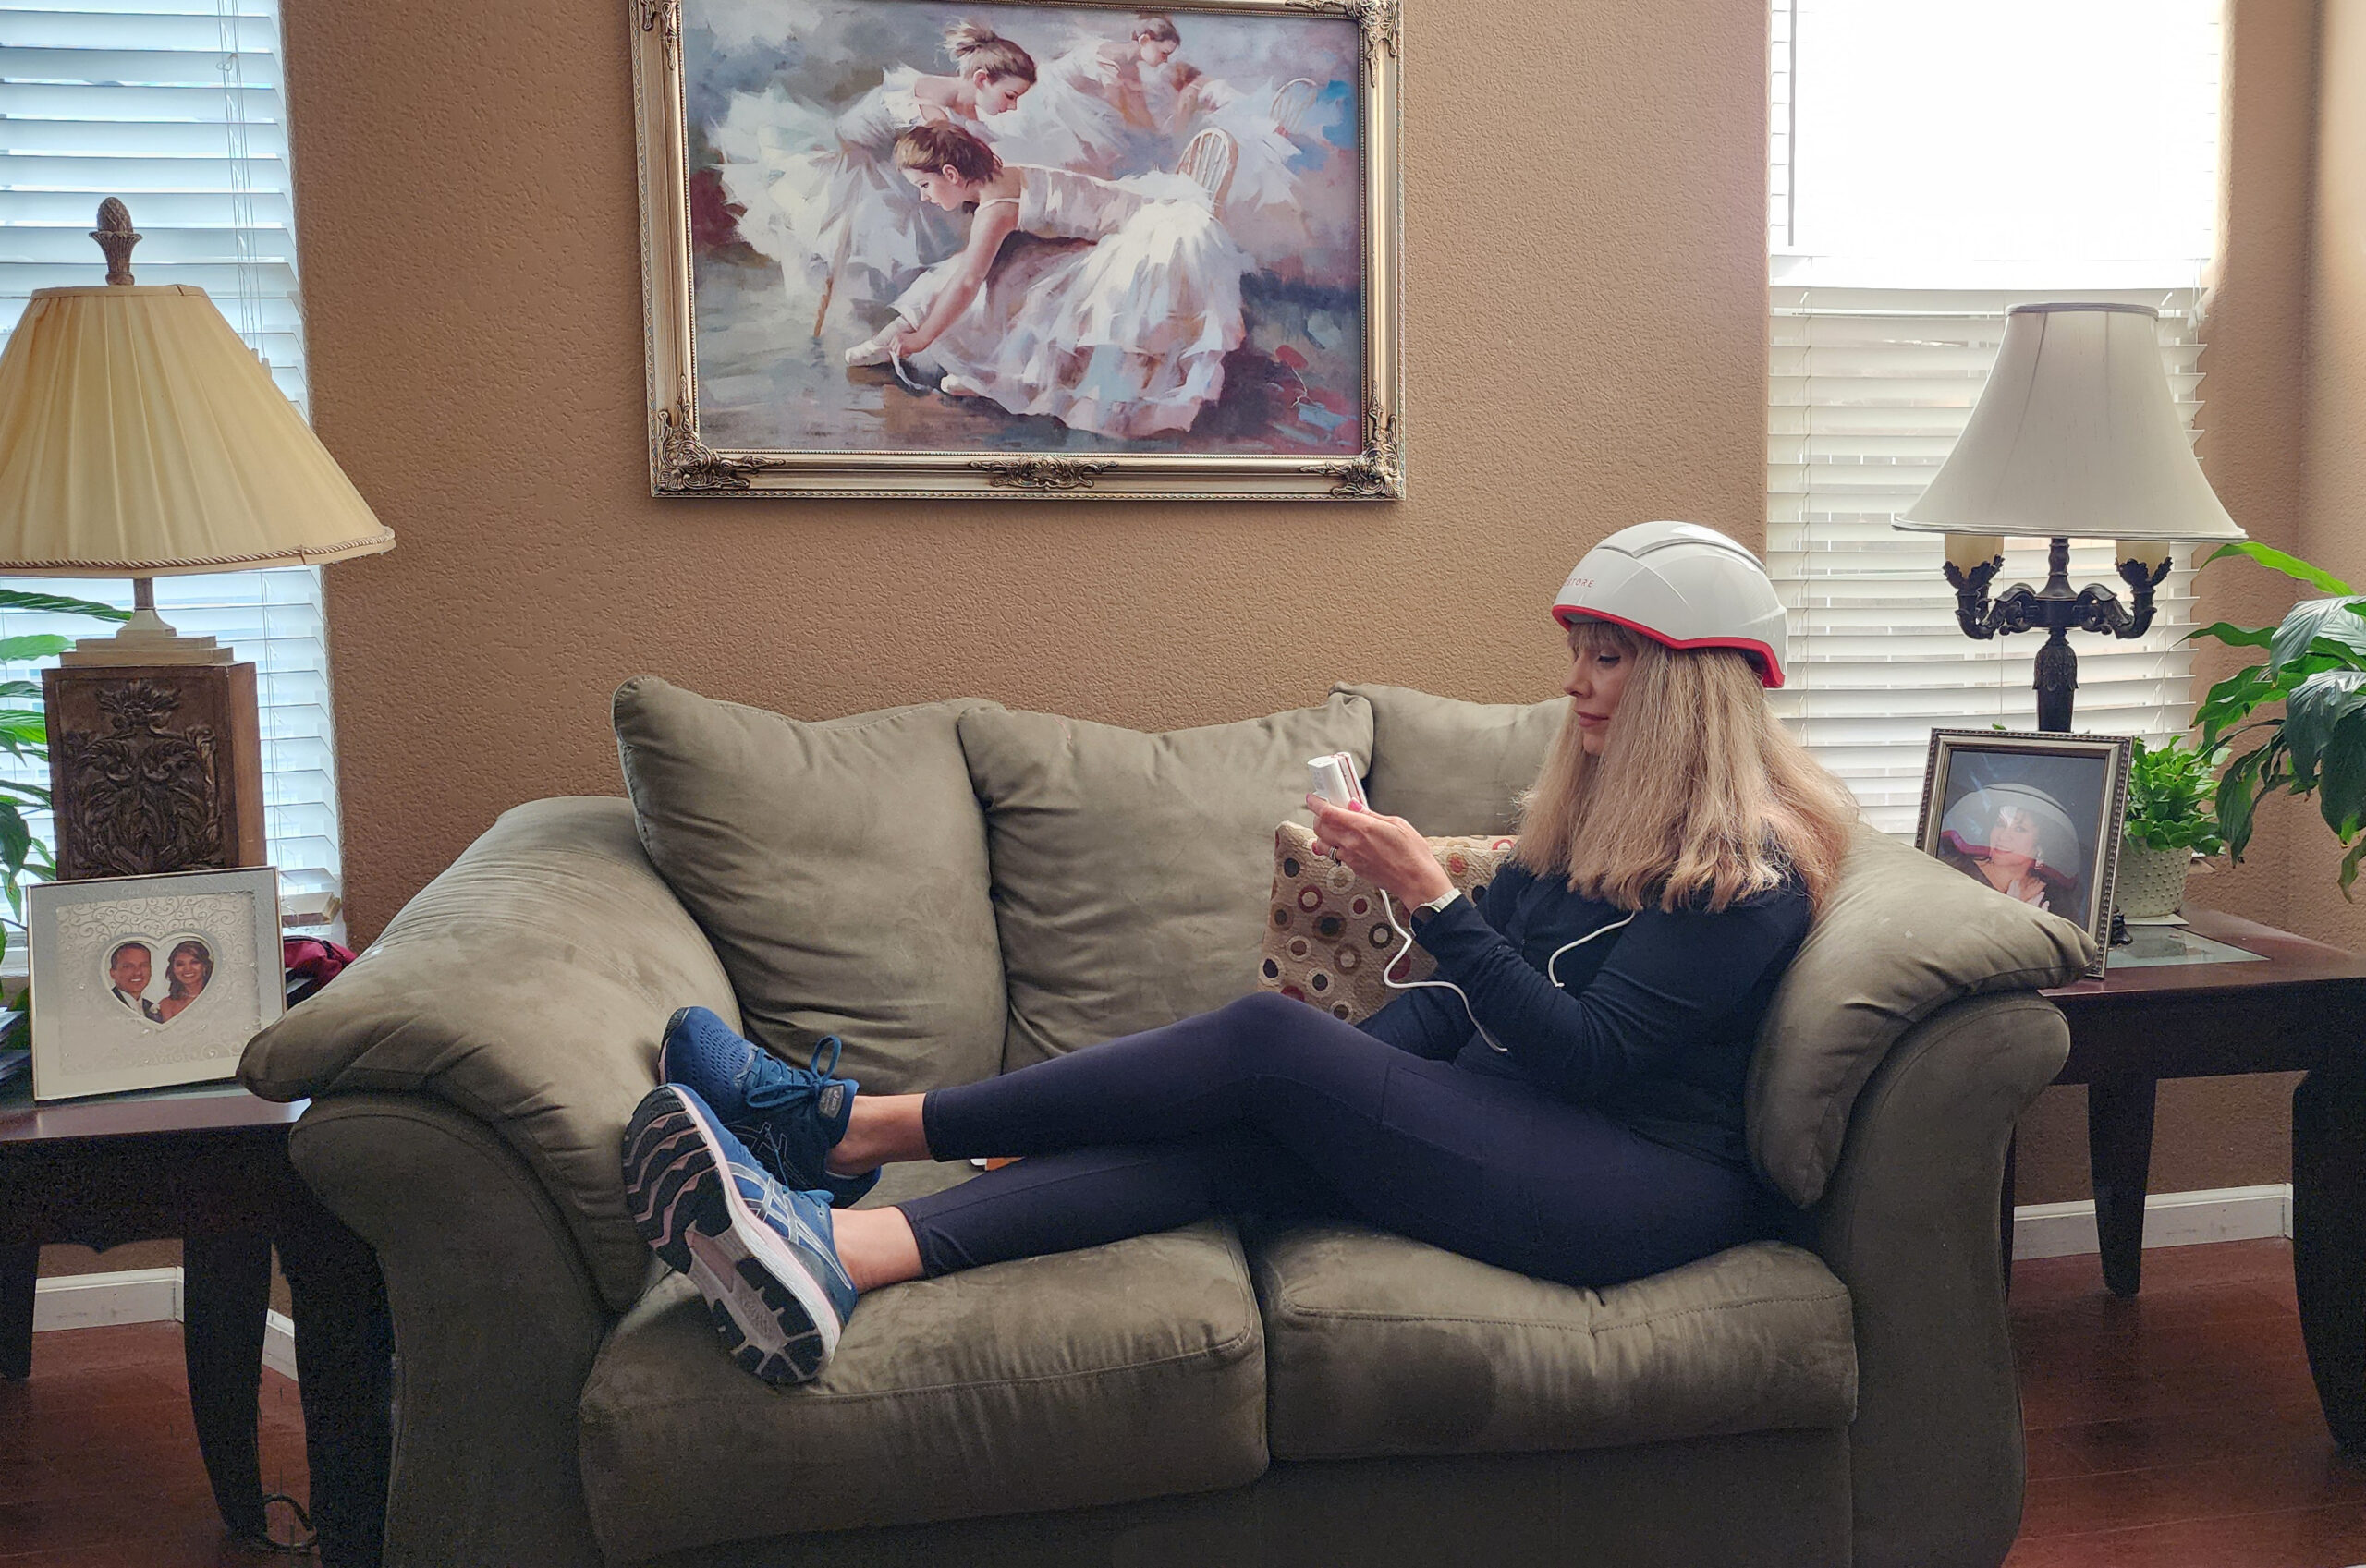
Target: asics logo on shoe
{"points": [[831, 1099]]}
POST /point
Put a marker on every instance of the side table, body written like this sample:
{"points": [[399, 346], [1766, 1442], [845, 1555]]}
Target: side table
{"points": [[209, 1164], [2302, 1010]]}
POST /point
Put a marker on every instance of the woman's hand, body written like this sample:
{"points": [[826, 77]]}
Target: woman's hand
{"points": [[907, 341], [1388, 851]]}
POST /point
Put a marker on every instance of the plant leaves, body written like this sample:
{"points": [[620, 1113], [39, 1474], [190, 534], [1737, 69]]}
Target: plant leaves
{"points": [[59, 604], [2316, 708], [2239, 788], [2277, 561], [2349, 865], [2325, 626], [2234, 636], [2341, 776], [41, 647]]}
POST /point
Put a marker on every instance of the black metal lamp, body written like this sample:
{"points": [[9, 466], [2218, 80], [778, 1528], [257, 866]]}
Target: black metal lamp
{"points": [[2075, 435]]}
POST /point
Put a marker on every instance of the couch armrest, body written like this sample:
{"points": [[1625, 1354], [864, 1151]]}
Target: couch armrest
{"points": [[496, 1322], [1910, 1225], [527, 985]]}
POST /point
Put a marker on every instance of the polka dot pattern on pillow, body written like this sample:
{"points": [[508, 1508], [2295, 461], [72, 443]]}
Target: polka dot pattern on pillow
{"points": [[1327, 936]]}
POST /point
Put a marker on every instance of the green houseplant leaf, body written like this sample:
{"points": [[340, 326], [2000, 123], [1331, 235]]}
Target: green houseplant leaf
{"points": [[2277, 560]]}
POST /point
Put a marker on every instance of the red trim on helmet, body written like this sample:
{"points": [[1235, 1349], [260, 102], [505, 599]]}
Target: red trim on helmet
{"points": [[1770, 668]]}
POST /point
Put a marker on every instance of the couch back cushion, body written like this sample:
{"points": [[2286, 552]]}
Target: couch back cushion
{"points": [[1131, 871], [1903, 936], [1453, 768], [839, 868]]}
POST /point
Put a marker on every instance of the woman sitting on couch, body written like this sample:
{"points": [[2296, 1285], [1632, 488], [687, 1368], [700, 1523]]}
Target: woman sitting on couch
{"points": [[1567, 1105]]}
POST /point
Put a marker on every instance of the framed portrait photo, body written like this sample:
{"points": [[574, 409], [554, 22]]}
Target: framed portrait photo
{"points": [[2035, 817], [143, 981], [1051, 249]]}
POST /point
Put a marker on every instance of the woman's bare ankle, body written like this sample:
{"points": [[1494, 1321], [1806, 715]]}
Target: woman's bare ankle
{"points": [[876, 1246], [881, 1129]]}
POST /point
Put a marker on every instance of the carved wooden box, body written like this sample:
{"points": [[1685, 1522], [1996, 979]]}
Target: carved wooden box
{"points": [[154, 768]]}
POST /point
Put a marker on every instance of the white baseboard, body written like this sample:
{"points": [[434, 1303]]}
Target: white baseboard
{"points": [[141, 1295], [2171, 1219]]}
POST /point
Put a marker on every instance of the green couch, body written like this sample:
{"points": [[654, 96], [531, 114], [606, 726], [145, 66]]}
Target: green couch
{"points": [[958, 888]]}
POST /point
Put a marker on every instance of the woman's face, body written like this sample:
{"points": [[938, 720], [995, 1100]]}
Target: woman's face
{"points": [[1154, 51], [997, 93], [190, 970], [1597, 678], [2012, 843], [942, 187]]}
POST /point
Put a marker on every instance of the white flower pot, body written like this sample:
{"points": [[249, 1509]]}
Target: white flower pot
{"points": [[2151, 881]]}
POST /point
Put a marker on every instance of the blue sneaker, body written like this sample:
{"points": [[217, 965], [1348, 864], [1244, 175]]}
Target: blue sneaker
{"points": [[789, 1117], [759, 1252]]}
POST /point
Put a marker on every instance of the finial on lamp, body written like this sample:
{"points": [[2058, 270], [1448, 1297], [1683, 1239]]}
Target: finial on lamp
{"points": [[115, 236]]}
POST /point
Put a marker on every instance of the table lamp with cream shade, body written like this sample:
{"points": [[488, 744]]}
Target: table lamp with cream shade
{"points": [[140, 438], [2075, 435]]}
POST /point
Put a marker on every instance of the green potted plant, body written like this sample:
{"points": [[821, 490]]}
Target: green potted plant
{"points": [[2170, 821], [2315, 667]]}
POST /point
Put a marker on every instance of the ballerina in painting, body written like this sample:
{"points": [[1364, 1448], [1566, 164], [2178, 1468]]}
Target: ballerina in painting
{"points": [[822, 196], [1119, 325]]}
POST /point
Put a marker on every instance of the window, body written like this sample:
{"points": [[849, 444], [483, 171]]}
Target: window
{"points": [[175, 105], [1931, 166]]}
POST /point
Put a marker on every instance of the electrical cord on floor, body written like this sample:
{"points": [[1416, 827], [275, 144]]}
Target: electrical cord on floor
{"points": [[295, 1546]]}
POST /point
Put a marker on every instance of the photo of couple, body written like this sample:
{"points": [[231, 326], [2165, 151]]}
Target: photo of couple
{"points": [[133, 980]]}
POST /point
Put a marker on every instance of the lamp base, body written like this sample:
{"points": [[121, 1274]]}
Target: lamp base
{"points": [[144, 639], [154, 767]]}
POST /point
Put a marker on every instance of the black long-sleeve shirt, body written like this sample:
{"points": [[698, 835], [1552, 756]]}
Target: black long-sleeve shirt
{"points": [[1654, 1024]]}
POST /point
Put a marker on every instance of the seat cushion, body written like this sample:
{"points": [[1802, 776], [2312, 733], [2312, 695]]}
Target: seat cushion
{"points": [[1132, 1370], [1131, 871], [839, 869], [1902, 936], [1450, 767], [1380, 1346]]}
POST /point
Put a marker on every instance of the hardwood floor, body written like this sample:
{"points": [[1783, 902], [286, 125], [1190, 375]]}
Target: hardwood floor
{"points": [[2176, 1429], [2179, 1427], [98, 1458]]}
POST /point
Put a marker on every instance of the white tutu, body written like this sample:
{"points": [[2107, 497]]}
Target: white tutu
{"points": [[824, 196], [1112, 311], [1265, 206], [1060, 125]]}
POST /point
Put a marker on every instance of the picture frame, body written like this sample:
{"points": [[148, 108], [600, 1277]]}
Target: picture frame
{"points": [[139, 982], [2035, 815], [779, 236]]}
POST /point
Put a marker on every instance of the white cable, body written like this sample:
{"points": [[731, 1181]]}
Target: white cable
{"points": [[1389, 905]]}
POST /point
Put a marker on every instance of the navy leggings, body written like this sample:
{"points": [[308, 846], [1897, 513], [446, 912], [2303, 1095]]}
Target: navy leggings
{"points": [[1267, 1107]]}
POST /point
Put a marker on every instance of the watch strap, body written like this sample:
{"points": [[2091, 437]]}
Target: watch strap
{"points": [[1437, 905]]}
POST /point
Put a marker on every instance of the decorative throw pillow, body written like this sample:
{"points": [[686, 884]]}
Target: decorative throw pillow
{"points": [[1328, 936]]}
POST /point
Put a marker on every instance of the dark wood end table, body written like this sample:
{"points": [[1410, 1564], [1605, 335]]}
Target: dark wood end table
{"points": [[209, 1164], [2302, 1010]]}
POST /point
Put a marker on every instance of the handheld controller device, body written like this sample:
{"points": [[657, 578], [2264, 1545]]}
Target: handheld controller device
{"points": [[1334, 779]]}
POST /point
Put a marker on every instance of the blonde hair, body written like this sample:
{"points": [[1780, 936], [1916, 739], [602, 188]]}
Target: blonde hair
{"points": [[937, 147], [975, 47], [1698, 798]]}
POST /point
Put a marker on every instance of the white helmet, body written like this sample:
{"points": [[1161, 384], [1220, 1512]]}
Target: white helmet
{"points": [[1682, 585]]}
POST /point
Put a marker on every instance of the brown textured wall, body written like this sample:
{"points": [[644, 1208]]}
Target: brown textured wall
{"points": [[1583, 350]]}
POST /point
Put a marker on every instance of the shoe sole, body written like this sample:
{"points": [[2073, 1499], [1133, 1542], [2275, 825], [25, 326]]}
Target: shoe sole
{"points": [[773, 1320]]}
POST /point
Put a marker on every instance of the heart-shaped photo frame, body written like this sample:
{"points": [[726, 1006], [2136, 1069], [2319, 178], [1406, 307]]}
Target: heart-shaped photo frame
{"points": [[160, 990]]}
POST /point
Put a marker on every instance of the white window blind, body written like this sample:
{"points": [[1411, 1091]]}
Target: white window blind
{"points": [[1929, 168], [175, 105]]}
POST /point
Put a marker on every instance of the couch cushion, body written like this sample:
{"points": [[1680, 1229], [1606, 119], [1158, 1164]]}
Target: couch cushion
{"points": [[1328, 940], [1135, 1370], [1450, 767], [1903, 936], [839, 868], [1131, 871], [1380, 1346]]}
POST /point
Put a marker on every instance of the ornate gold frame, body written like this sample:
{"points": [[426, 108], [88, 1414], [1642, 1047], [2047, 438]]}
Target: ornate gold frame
{"points": [[681, 463]]}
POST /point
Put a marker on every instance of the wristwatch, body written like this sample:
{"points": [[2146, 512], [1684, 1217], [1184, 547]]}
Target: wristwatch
{"points": [[1437, 905]]}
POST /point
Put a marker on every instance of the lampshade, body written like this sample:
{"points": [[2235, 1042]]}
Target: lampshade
{"points": [[139, 437], [2075, 434]]}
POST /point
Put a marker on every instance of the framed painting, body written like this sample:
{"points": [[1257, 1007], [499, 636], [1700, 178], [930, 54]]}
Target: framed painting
{"points": [[906, 248], [2035, 816]]}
